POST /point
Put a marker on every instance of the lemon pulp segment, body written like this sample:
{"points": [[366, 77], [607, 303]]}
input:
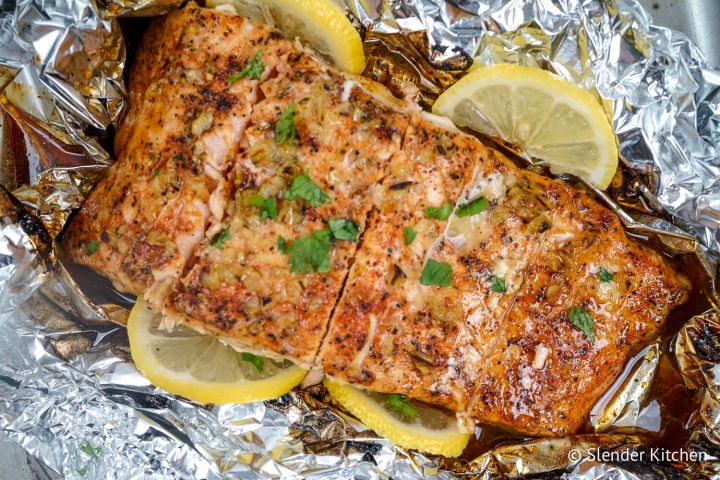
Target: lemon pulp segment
{"points": [[551, 119]]}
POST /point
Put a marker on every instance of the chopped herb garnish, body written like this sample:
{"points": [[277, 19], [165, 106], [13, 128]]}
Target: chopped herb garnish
{"points": [[604, 275], [344, 229], [267, 206], [582, 320], [156, 172], [219, 239], [497, 284], [87, 447], [436, 274], [282, 245], [91, 247], [410, 235], [258, 362], [285, 125], [303, 187], [441, 213], [311, 253], [82, 471], [472, 208], [400, 404], [253, 69]]}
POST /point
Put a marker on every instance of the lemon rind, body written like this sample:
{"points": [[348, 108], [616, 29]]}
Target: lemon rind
{"points": [[580, 100], [449, 442]]}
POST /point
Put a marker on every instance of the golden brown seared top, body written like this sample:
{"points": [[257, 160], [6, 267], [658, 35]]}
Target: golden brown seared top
{"points": [[174, 147], [544, 373], [247, 289], [380, 336]]}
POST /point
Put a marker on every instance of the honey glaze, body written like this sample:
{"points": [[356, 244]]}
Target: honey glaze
{"points": [[670, 411]]}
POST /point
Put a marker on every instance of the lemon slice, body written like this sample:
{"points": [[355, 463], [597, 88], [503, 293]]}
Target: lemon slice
{"points": [[551, 119], [200, 367], [323, 24], [429, 430]]}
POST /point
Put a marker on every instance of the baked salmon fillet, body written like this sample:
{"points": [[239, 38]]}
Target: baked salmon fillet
{"points": [[263, 287], [580, 298], [302, 213], [174, 147]]}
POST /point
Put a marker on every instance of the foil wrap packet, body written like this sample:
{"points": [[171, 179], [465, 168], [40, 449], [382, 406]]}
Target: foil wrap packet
{"points": [[69, 392]]}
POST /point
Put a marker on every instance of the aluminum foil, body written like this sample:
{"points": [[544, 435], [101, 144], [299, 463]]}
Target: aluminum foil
{"points": [[68, 390], [24, 254]]}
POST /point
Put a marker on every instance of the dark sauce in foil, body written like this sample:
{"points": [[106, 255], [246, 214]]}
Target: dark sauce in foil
{"points": [[403, 65]]}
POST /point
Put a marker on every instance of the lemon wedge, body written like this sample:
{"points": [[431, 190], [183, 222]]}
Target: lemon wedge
{"points": [[201, 368], [322, 24], [427, 429], [551, 119]]}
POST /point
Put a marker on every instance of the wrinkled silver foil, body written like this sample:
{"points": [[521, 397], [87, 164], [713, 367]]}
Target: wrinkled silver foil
{"points": [[69, 392]]}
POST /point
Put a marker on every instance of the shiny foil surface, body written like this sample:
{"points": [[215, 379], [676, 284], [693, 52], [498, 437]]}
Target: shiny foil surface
{"points": [[69, 392]]}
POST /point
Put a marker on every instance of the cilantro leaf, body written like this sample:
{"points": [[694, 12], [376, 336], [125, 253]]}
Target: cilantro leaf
{"points": [[436, 273], [285, 125], [91, 247], [410, 235], [219, 239], [604, 275], [497, 284], [344, 229], [86, 447], [267, 206], [473, 207], [303, 187], [582, 320], [282, 245], [400, 404], [258, 362], [311, 253], [253, 69], [441, 213]]}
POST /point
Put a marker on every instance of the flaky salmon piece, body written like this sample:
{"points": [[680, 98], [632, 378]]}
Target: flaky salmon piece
{"points": [[174, 147], [544, 372], [304, 213], [382, 336], [390, 332], [248, 289]]}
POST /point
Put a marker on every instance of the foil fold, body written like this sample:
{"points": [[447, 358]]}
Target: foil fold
{"points": [[69, 392], [24, 254], [697, 349]]}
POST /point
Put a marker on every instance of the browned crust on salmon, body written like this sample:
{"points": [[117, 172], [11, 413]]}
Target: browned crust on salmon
{"points": [[193, 151]]}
